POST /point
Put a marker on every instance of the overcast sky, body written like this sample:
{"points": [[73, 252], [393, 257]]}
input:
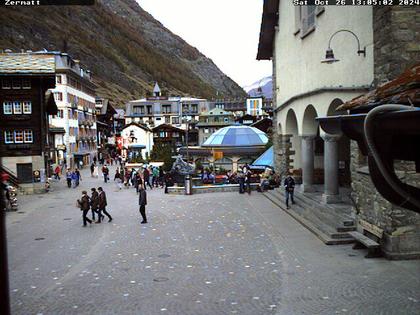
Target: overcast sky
{"points": [[226, 31]]}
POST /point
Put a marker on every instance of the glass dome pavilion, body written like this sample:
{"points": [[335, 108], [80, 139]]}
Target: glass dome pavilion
{"points": [[236, 136], [229, 148]]}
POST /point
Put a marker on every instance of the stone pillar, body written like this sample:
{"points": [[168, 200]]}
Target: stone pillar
{"points": [[308, 163], [331, 185], [235, 160]]}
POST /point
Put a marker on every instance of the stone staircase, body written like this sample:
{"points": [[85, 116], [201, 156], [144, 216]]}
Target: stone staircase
{"points": [[330, 223]]}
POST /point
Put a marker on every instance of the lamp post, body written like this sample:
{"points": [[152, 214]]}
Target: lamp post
{"points": [[187, 129], [329, 54], [4, 271]]}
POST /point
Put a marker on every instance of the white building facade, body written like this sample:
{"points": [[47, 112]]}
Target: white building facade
{"points": [[158, 110], [136, 138], [75, 97], [306, 88]]}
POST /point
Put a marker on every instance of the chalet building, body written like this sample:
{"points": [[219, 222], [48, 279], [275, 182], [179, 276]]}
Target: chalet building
{"points": [[75, 97], [211, 121], [236, 107], [24, 137], [105, 125], [157, 109], [169, 135], [305, 44], [136, 141], [246, 119], [265, 125]]}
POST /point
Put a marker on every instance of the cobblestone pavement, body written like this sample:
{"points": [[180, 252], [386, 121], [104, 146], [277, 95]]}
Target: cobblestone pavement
{"points": [[219, 253]]}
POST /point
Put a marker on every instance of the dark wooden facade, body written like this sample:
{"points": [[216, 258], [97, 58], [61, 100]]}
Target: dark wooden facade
{"points": [[36, 120], [25, 88], [170, 135]]}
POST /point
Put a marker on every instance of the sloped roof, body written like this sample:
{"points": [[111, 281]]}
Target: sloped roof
{"points": [[268, 28], [405, 89], [167, 127], [11, 63], [137, 125], [156, 89], [265, 159], [120, 113]]}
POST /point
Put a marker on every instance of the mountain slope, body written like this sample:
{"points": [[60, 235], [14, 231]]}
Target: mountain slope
{"points": [[124, 46], [266, 85]]}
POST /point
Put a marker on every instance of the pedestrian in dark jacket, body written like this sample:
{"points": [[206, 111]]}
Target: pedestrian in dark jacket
{"points": [[78, 177], [68, 178], [138, 182], [84, 203], [289, 186], [146, 178], [92, 169], [102, 203], [248, 175], [143, 203], [105, 172], [94, 202]]}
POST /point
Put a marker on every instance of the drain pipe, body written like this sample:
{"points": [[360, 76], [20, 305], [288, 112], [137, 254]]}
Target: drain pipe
{"points": [[368, 128]]}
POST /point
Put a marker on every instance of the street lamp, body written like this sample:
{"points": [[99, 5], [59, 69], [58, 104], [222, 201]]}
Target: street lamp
{"points": [[187, 128], [329, 55]]}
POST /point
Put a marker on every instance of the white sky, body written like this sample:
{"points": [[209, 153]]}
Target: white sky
{"points": [[226, 31]]}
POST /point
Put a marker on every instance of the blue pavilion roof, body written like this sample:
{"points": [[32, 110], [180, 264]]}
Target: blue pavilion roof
{"points": [[236, 136], [265, 159]]}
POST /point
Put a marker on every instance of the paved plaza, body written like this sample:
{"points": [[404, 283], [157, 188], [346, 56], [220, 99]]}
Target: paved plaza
{"points": [[220, 253]]}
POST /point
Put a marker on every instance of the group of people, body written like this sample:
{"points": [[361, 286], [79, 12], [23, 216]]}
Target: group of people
{"points": [[148, 176], [96, 203], [137, 179], [73, 178]]}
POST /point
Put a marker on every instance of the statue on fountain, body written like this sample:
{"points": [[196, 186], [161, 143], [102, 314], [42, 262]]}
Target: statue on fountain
{"points": [[181, 167]]}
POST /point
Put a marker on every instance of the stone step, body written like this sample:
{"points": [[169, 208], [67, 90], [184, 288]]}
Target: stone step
{"points": [[327, 234], [327, 215], [335, 212]]}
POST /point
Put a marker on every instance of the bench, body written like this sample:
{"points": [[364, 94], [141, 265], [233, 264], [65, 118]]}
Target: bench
{"points": [[363, 241]]}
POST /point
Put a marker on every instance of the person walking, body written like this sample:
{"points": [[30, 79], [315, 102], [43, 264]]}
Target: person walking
{"points": [[96, 171], [138, 182], [94, 202], [92, 169], [117, 179], [241, 181], [146, 178], [68, 178], [248, 180], [73, 179], [155, 173], [289, 186], [78, 177], [84, 204], [142, 203], [105, 172], [102, 203], [161, 177], [57, 172]]}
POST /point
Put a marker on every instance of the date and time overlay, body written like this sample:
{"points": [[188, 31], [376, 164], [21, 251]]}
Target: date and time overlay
{"points": [[29, 3]]}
